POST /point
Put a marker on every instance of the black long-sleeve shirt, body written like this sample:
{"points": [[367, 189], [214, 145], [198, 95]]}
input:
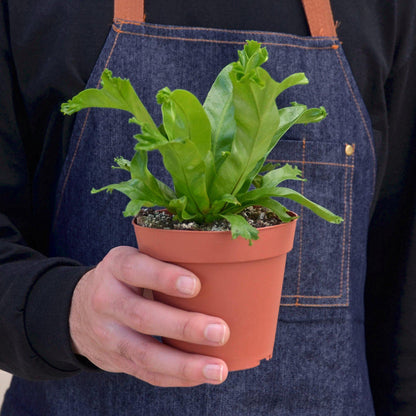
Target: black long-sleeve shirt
{"points": [[47, 51]]}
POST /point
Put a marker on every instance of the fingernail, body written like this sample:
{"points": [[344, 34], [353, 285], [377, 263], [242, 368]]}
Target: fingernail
{"points": [[213, 372], [215, 333], [186, 285]]}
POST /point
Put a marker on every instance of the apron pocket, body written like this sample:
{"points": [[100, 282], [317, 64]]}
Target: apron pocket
{"points": [[317, 269]]}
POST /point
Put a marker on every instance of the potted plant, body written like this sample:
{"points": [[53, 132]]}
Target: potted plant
{"points": [[216, 156]]}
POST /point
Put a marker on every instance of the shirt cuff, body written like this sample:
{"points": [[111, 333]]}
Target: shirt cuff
{"points": [[47, 320]]}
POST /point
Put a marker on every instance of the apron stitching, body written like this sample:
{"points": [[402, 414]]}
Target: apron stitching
{"points": [[212, 29], [219, 41], [313, 297], [344, 228], [346, 246], [302, 191], [310, 162], [366, 127], [349, 231], [310, 305], [121, 22], [347, 167], [70, 168], [75, 154]]}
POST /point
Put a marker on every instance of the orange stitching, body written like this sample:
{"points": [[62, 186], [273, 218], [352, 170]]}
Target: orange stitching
{"points": [[69, 169], [223, 42], [349, 233], [367, 130], [121, 22], [302, 191], [313, 296], [346, 204], [344, 228], [329, 305], [111, 53], [213, 29], [342, 278], [79, 143], [343, 165]]}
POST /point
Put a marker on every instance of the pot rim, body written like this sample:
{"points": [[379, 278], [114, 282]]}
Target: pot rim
{"points": [[172, 230], [195, 246]]}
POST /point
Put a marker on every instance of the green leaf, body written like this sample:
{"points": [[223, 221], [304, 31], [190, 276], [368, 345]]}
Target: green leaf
{"points": [[149, 185], [292, 80], [258, 180], [127, 188], [241, 228], [296, 114], [312, 115], [284, 173], [132, 191], [289, 116], [276, 207], [319, 210], [122, 163], [116, 93], [255, 195], [178, 208], [267, 202], [250, 59], [225, 199], [188, 172], [148, 140], [143, 189], [220, 110], [269, 166], [257, 120], [185, 119], [134, 206]]}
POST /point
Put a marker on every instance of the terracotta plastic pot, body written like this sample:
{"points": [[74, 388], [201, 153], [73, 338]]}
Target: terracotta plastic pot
{"points": [[242, 284]]}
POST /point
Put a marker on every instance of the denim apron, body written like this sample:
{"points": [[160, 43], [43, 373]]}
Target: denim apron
{"points": [[319, 364]]}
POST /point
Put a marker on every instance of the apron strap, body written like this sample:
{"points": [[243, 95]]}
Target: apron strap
{"points": [[131, 10], [320, 18], [318, 14]]}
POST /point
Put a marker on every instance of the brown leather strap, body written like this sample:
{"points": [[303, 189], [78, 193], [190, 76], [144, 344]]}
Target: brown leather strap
{"points": [[318, 14], [320, 18], [132, 10]]}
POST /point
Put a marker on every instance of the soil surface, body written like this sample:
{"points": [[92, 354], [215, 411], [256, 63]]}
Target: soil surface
{"points": [[258, 217]]}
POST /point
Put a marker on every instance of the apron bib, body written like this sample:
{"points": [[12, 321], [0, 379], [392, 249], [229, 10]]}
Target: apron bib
{"points": [[319, 365]]}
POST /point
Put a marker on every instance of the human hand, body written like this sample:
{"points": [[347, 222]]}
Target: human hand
{"points": [[112, 323]]}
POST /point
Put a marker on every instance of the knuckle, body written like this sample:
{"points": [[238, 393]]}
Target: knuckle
{"points": [[133, 314], [142, 358], [99, 300], [102, 334], [111, 256], [139, 319], [115, 251], [187, 327], [162, 277], [124, 349], [130, 367], [185, 371], [151, 378], [127, 269], [120, 260]]}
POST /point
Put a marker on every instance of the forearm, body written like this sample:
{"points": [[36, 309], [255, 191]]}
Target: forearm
{"points": [[35, 298]]}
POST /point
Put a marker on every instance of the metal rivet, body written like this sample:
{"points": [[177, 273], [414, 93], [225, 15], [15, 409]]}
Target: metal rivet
{"points": [[349, 150]]}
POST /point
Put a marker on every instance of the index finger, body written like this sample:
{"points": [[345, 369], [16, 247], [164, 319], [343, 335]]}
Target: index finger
{"points": [[130, 266]]}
